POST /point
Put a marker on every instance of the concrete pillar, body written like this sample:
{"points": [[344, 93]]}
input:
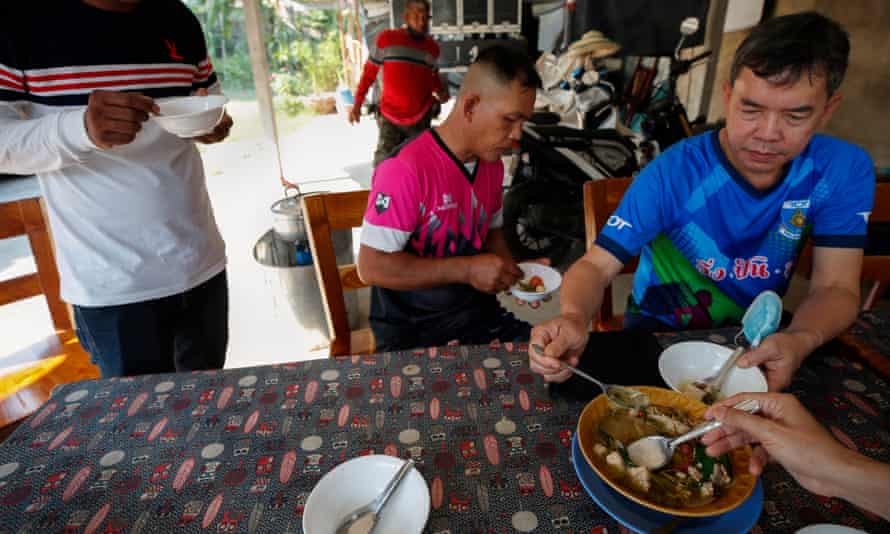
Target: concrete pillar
{"points": [[253, 24]]}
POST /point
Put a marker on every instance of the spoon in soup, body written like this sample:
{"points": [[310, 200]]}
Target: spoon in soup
{"points": [[627, 397], [655, 452], [759, 322]]}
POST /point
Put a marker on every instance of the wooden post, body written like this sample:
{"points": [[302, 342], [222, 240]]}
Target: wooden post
{"points": [[713, 40], [341, 30], [253, 25], [358, 21]]}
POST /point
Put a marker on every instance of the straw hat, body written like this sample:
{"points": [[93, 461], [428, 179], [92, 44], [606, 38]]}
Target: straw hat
{"points": [[595, 44]]}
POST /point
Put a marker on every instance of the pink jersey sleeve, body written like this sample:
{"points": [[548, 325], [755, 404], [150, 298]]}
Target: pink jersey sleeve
{"points": [[393, 210]]}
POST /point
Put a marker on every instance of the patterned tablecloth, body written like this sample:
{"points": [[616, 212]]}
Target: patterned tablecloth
{"points": [[870, 338], [240, 450]]}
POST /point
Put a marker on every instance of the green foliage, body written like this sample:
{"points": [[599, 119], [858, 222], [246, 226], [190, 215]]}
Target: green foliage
{"points": [[302, 47], [318, 63], [290, 105], [235, 72]]}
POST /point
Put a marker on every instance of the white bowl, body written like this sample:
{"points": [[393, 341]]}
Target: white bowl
{"points": [[191, 116], [688, 361], [550, 276], [356, 483], [826, 528]]}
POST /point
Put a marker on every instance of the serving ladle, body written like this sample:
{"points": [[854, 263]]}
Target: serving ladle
{"points": [[761, 320], [655, 452], [624, 396]]}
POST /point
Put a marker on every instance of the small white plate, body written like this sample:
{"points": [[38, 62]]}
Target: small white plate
{"points": [[191, 116], [550, 276], [825, 528], [358, 482], [688, 361]]}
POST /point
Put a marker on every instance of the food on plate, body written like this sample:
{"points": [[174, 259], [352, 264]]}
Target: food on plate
{"points": [[534, 285], [691, 479], [700, 392]]}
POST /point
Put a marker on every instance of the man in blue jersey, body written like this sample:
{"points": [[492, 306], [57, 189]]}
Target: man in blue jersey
{"points": [[721, 217]]}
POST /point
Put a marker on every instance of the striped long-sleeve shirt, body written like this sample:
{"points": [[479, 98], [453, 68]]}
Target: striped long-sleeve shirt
{"points": [[410, 75], [133, 222]]}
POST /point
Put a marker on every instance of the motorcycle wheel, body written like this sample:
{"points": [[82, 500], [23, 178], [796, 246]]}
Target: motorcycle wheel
{"points": [[524, 237]]}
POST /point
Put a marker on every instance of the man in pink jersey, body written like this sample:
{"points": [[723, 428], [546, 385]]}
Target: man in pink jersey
{"points": [[432, 244]]}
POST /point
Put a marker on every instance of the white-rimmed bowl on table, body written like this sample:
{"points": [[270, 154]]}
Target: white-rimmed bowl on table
{"points": [[690, 361], [359, 481], [191, 116], [550, 276], [826, 528]]}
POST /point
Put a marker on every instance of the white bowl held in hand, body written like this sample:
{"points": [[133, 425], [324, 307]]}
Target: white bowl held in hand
{"points": [[549, 276], [191, 116], [359, 481], [690, 361]]}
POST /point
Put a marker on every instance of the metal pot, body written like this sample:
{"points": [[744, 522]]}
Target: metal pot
{"points": [[288, 220]]}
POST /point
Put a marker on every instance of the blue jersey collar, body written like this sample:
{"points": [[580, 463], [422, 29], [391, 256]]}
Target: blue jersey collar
{"points": [[737, 176]]}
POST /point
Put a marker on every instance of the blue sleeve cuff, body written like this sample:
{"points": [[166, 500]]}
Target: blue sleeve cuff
{"points": [[840, 241], [614, 248]]}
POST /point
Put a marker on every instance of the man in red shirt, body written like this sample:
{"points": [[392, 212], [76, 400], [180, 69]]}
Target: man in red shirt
{"points": [[410, 78]]}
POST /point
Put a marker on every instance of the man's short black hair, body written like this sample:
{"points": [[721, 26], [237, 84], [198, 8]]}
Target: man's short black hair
{"points": [[785, 48], [509, 63], [424, 3]]}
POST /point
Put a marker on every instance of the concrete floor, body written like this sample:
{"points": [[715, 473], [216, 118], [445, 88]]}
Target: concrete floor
{"points": [[325, 155]]}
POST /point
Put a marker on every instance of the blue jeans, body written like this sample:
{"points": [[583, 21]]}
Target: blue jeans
{"points": [[183, 332]]}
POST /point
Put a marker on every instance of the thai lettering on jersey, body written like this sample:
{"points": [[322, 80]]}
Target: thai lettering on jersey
{"points": [[742, 269]]}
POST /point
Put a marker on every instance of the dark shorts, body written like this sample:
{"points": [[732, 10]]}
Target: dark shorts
{"points": [[392, 135], [183, 332]]}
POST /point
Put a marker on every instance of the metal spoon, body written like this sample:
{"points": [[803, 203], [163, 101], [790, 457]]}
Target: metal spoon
{"points": [[375, 507], [761, 320], [713, 384], [621, 395], [654, 452]]}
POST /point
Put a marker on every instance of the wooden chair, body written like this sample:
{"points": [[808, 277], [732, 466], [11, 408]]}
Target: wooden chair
{"points": [[57, 359], [25, 218], [325, 213], [875, 269], [601, 198]]}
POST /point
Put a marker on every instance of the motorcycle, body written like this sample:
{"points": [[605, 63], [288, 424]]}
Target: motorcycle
{"points": [[543, 208], [558, 153], [665, 118]]}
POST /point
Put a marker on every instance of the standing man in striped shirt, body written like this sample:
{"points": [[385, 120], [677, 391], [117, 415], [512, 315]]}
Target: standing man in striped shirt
{"points": [[410, 79], [139, 254]]}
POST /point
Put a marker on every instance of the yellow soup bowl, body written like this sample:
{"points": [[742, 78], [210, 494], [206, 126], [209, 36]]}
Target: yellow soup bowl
{"points": [[731, 497]]}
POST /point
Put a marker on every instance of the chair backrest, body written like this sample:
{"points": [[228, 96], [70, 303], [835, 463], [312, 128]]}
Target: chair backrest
{"points": [[26, 218], [325, 213], [880, 213], [877, 268], [601, 198], [874, 268]]}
